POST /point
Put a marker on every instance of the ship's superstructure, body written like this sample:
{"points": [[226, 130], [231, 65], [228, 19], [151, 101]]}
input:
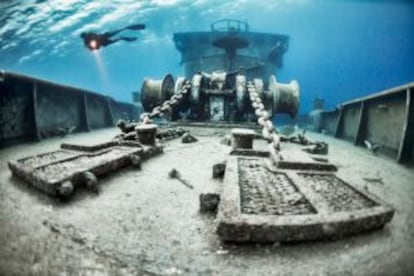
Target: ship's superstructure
{"points": [[219, 64], [230, 46]]}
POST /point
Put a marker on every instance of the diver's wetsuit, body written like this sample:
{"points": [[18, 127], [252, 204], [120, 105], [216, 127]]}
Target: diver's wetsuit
{"points": [[94, 41]]}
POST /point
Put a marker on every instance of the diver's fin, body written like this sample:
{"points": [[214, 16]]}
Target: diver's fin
{"points": [[128, 38], [136, 27]]}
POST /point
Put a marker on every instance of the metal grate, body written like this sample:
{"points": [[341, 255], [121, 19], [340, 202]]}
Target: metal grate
{"points": [[268, 193], [338, 195], [78, 164], [46, 158]]}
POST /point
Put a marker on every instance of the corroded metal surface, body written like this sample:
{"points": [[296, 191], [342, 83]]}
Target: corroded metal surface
{"points": [[278, 197], [338, 195], [264, 203], [88, 148], [46, 158], [147, 213], [385, 119], [32, 109], [55, 171]]}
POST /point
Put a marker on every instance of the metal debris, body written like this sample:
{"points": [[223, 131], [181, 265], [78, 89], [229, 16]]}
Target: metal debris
{"points": [[222, 252], [177, 175], [299, 139], [126, 127], [188, 138], [219, 169], [166, 134], [373, 179], [317, 148], [372, 147], [209, 202]]}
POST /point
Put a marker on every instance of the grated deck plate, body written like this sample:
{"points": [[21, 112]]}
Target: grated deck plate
{"points": [[48, 171], [261, 203]]}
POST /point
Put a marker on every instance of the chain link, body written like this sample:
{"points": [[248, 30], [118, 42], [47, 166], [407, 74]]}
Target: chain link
{"points": [[268, 129], [167, 105]]}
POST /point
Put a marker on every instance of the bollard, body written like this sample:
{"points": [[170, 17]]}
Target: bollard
{"points": [[146, 133], [242, 138]]}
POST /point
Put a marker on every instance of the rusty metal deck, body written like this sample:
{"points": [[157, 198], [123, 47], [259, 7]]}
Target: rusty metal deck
{"points": [[263, 203], [48, 171]]}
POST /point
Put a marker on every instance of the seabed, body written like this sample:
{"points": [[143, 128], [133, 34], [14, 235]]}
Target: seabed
{"points": [[145, 223]]}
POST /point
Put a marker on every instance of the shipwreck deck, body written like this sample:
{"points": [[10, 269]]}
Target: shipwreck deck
{"points": [[143, 222]]}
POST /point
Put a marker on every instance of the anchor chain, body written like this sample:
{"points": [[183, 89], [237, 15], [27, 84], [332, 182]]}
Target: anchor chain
{"points": [[167, 105], [268, 129]]}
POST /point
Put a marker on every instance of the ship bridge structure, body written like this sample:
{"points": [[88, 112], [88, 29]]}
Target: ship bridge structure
{"points": [[230, 46]]}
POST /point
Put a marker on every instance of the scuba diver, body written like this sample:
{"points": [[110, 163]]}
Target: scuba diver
{"points": [[94, 41]]}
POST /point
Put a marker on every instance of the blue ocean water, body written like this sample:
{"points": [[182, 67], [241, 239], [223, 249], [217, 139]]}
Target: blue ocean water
{"points": [[338, 50]]}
